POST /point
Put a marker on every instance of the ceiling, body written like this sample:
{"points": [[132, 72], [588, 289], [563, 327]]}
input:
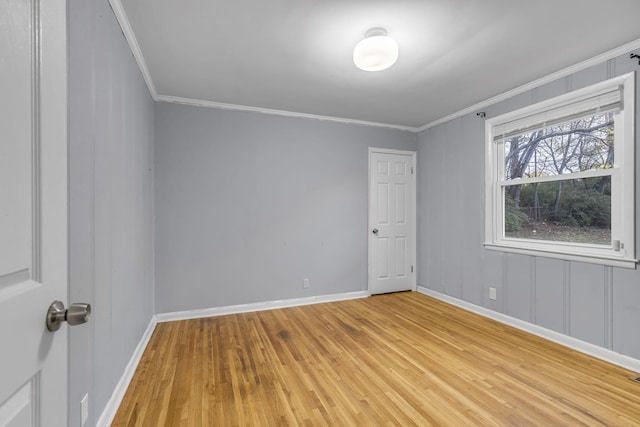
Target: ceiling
{"points": [[296, 55]]}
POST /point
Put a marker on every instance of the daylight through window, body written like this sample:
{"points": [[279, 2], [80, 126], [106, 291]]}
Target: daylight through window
{"points": [[560, 176]]}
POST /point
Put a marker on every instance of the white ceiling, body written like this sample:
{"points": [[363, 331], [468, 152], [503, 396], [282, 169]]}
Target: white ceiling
{"points": [[296, 55]]}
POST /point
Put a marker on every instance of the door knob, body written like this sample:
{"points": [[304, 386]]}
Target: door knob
{"points": [[375, 231], [76, 314]]}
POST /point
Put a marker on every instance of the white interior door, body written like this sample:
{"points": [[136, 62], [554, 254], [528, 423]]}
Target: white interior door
{"points": [[392, 221], [33, 211]]}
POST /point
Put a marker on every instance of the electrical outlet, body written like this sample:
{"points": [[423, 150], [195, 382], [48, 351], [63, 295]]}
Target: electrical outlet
{"points": [[493, 293], [84, 409], [305, 283]]}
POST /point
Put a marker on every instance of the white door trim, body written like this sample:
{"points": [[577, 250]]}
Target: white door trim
{"points": [[413, 213]]}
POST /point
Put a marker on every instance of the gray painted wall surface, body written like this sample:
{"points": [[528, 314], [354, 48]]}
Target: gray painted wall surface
{"points": [[247, 205], [597, 304], [111, 204]]}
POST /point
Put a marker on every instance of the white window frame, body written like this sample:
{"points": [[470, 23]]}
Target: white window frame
{"points": [[622, 176]]}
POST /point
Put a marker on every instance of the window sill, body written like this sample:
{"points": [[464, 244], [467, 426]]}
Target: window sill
{"points": [[567, 256]]}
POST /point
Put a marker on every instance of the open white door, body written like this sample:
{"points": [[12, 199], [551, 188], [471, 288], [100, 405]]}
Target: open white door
{"points": [[392, 220], [33, 211]]}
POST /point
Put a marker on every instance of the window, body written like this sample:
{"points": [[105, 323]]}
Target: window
{"points": [[560, 176]]}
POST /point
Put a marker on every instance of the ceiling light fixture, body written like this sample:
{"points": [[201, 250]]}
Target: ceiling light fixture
{"points": [[376, 52]]}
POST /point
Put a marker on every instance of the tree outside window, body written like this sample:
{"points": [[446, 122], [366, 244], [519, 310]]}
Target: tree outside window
{"points": [[560, 176]]}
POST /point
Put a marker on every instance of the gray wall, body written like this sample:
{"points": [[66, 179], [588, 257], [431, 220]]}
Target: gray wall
{"points": [[248, 204], [597, 304], [111, 203]]}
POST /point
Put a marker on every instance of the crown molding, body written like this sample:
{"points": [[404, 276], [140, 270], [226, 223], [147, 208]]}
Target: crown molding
{"points": [[613, 53], [127, 30], [129, 35], [235, 107]]}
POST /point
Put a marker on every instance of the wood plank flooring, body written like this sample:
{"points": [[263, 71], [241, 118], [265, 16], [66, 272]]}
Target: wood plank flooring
{"points": [[398, 359]]}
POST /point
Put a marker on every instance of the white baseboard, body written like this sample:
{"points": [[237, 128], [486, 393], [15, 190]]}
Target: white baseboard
{"points": [[113, 404], [565, 340], [109, 412], [258, 306]]}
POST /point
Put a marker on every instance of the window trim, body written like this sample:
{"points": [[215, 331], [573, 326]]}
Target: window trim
{"points": [[622, 175]]}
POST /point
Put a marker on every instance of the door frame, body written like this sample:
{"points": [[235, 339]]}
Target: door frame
{"points": [[412, 215]]}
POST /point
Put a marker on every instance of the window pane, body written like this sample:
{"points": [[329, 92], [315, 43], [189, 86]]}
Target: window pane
{"points": [[574, 210], [580, 145]]}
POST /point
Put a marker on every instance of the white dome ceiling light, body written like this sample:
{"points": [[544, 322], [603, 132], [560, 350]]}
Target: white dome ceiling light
{"points": [[376, 52]]}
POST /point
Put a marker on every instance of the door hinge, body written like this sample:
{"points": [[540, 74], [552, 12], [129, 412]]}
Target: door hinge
{"points": [[412, 268], [411, 170]]}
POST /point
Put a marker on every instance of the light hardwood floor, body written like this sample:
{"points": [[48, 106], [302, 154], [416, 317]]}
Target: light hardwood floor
{"points": [[398, 359]]}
